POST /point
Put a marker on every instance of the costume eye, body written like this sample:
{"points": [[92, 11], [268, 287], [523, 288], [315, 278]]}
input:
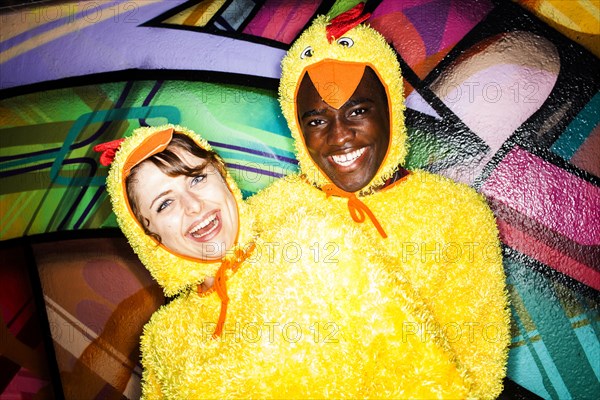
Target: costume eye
{"points": [[346, 42], [308, 52]]}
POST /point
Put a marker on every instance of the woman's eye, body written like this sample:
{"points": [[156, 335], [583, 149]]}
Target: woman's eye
{"points": [[198, 179], [307, 52], [163, 205], [346, 42]]}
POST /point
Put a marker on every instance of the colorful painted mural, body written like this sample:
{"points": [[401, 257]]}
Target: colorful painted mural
{"points": [[502, 95]]}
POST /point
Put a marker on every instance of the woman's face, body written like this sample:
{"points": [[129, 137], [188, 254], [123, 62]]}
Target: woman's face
{"points": [[195, 216]]}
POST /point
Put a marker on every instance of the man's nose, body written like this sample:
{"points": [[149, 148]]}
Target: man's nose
{"points": [[191, 203], [339, 133]]}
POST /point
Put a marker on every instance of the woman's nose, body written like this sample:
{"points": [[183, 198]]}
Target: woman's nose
{"points": [[339, 133], [191, 203]]}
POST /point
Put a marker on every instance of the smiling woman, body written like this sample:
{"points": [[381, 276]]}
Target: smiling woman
{"points": [[181, 198], [177, 205]]}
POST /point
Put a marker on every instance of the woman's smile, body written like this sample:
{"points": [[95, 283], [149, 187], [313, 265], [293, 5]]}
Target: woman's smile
{"points": [[206, 228]]}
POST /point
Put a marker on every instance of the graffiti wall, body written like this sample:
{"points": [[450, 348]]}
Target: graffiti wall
{"points": [[501, 95]]}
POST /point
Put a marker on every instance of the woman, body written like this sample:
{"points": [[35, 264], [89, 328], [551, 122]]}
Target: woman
{"points": [[181, 213], [279, 321]]}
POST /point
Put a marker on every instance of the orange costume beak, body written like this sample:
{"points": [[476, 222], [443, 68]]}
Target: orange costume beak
{"points": [[152, 145], [335, 80]]}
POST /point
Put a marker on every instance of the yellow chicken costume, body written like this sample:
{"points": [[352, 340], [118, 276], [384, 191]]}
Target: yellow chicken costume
{"points": [[287, 317], [193, 318], [435, 235]]}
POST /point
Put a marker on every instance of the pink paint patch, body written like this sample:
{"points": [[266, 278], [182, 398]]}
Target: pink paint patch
{"points": [[498, 84], [25, 385], [462, 17], [110, 280], [547, 194], [495, 101], [403, 35], [93, 315], [553, 258], [281, 20]]}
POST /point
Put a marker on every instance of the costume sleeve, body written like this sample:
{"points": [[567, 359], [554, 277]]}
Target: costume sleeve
{"points": [[470, 300], [274, 204], [151, 388]]}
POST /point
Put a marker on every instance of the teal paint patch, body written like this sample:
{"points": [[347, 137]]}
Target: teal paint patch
{"points": [[559, 350], [591, 346], [578, 130], [524, 364], [171, 114], [521, 371]]}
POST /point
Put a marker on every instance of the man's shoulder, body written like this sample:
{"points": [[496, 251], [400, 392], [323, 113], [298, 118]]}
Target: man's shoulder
{"points": [[443, 185], [289, 189], [434, 193]]}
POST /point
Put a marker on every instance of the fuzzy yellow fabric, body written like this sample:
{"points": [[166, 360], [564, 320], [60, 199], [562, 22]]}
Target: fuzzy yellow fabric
{"points": [[442, 239], [171, 271], [370, 48], [305, 319], [326, 323], [442, 236]]}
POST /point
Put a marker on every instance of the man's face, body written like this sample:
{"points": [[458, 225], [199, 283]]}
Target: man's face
{"points": [[348, 144]]}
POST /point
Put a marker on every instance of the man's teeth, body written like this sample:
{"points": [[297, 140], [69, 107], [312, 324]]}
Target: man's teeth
{"points": [[347, 159], [210, 220]]}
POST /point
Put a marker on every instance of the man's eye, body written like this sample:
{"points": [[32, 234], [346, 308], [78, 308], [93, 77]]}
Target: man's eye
{"points": [[358, 111], [163, 205], [315, 122]]}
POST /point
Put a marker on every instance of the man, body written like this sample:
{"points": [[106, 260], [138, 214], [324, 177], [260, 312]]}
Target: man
{"points": [[341, 94]]}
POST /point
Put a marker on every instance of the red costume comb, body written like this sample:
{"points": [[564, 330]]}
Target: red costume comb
{"points": [[346, 21], [108, 150]]}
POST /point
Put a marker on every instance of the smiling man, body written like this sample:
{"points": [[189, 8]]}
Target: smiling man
{"points": [[348, 142], [341, 93]]}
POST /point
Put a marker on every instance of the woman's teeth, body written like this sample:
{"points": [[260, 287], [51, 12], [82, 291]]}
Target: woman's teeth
{"points": [[346, 159], [203, 225]]}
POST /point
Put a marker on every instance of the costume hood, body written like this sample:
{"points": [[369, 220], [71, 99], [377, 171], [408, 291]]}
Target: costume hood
{"points": [[347, 53], [172, 271]]}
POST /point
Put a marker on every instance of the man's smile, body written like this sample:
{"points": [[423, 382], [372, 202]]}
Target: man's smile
{"points": [[347, 159]]}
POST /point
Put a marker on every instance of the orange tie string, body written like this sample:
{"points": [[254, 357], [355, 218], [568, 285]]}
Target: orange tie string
{"points": [[220, 285], [357, 208]]}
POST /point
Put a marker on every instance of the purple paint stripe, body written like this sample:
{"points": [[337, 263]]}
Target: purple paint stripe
{"points": [[252, 151], [20, 38], [256, 170], [88, 208], [12, 172], [82, 191], [148, 99], [48, 152], [119, 45]]}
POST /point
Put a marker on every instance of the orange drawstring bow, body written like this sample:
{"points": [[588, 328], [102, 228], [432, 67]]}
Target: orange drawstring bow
{"points": [[220, 285], [357, 208]]}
